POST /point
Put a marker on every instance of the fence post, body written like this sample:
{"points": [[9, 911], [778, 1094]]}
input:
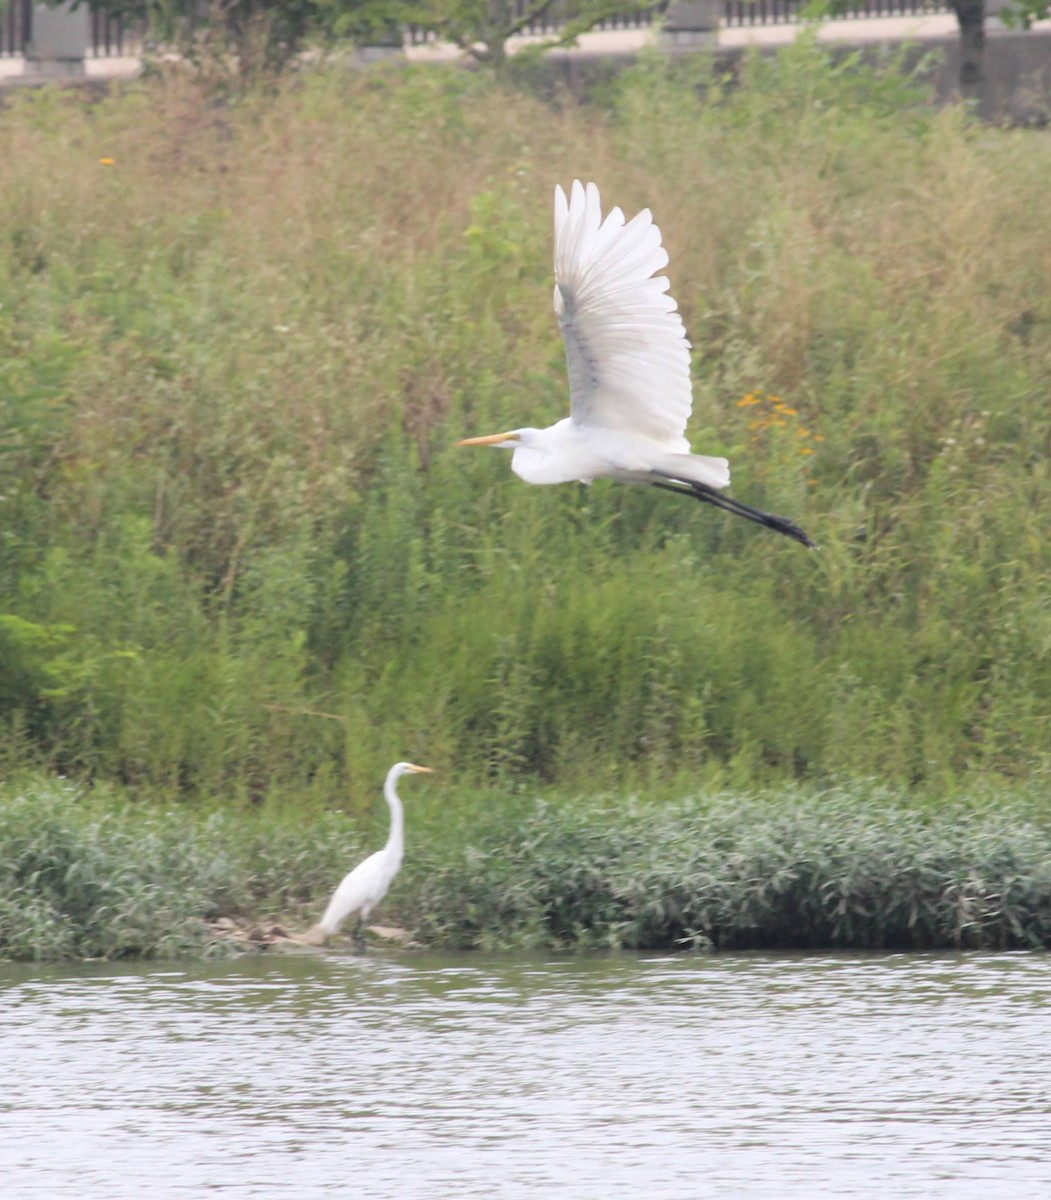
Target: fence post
{"points": [[692, 22], [59, 42]]}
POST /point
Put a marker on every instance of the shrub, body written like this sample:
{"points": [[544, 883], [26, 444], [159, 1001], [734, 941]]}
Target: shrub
{"points": [[849, 868]]}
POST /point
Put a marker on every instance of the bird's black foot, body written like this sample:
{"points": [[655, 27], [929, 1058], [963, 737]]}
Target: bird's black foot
{"points": [[709, 495]]}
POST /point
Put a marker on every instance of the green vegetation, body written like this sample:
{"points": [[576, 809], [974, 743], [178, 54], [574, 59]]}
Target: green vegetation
{"points": [[240, 559], [235, 360], [857, 868], [89, 876]]}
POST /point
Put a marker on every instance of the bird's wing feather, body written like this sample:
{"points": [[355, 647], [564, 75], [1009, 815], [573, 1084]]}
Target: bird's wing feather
{"points": [[358, 888], [626, 347]]}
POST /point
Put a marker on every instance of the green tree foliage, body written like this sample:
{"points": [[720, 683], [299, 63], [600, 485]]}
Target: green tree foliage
{"points": [[1024, 13], [482, 28], [261, 36], [254, 37]]}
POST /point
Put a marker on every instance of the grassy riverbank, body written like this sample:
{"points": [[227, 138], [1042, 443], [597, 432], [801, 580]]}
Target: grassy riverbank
{"points": [[243, 568], [241, 555], [862, 868]]}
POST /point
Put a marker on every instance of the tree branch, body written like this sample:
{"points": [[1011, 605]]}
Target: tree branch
{"points": [[591, 17]]}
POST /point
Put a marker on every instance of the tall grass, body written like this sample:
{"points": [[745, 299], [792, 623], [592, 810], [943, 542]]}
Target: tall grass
{"points": [[240, 555]]}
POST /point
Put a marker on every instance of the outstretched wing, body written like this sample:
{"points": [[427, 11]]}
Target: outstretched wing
{"points": [[626, 347]]}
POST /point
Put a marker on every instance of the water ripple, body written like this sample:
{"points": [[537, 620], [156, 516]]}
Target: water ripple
{"points": [[425, 1078]]}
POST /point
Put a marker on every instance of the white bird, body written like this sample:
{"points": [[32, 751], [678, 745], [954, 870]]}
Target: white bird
{"points": [[629, 367], [367, 884]]}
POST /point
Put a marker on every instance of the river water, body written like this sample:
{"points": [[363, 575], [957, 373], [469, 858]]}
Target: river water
{"points": [[412, 1077]]}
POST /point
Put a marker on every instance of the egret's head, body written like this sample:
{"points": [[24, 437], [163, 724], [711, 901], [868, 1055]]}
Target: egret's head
{"points": [[506, 441], [538, 455], [403, 768], [408, 768]]}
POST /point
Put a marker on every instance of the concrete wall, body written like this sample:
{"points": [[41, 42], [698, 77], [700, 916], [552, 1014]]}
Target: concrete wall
{"points": [[61, 38], [1017, 70]]}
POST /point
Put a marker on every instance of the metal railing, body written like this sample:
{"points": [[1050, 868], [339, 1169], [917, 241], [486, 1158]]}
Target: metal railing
{"points": [[109, 37], [552, 20], [735, 13], [16, 21], [781, 12]]}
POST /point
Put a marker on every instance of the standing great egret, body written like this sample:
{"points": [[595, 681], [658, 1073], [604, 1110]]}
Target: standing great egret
{"points": [[629, 367], [367, 884]]}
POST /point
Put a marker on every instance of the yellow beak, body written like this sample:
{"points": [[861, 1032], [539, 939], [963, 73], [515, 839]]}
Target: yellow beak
{"points": [[492, 439], [422, 770]]}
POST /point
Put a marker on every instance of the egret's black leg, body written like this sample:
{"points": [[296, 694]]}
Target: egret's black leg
{"points": [[701, 491], [360, 945]]}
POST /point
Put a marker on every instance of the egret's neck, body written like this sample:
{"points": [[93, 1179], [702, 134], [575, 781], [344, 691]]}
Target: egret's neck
{"points": [[396, 837]]}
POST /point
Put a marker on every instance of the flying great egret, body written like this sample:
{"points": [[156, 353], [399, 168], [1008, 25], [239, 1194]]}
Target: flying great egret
{"points": [[367, 884], [629, 367]]}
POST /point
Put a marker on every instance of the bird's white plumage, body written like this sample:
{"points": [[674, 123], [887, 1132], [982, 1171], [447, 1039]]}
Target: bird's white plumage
{"points": [[364, 887], [626, 346], [629, 368]]}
